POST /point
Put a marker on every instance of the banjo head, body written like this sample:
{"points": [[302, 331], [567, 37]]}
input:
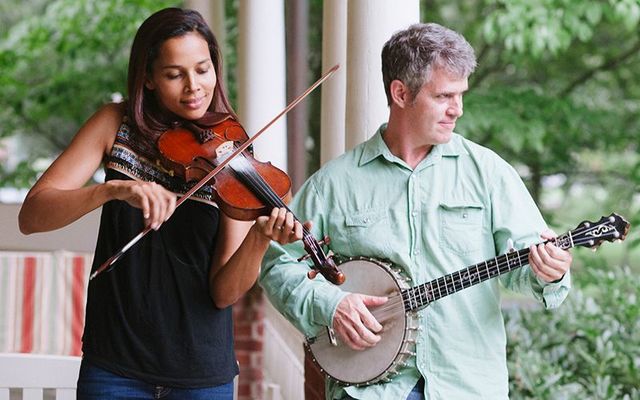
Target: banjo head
{"points": [[355, 367]]}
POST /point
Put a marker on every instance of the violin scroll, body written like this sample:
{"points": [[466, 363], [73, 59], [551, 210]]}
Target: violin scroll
{"points": [[330, 272], [322, 263]]}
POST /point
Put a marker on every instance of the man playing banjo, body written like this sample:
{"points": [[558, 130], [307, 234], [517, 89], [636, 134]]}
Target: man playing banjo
{"points": [[422, 201]]}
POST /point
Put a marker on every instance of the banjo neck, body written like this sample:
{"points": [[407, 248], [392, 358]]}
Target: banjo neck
{"points": [[587, 234], [420, 296]]}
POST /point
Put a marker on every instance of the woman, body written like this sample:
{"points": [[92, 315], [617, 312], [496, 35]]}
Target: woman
{"points": [[159, 324]]}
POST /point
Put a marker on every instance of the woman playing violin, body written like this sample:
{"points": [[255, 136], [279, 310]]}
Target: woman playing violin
{"points": [[159, 325]]}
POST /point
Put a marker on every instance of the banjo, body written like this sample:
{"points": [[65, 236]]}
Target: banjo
{"points": [[398, 315]]}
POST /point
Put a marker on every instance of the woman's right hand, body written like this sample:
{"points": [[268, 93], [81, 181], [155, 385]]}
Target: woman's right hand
{"points": [[156, 202]]}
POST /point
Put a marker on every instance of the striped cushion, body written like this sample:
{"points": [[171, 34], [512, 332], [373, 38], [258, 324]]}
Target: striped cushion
{"points": [[42, 300]]}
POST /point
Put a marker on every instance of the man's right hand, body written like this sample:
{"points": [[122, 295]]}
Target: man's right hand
{"points": [[355, 324]]}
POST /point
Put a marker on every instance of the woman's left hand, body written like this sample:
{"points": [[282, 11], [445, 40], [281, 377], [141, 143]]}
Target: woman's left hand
{"points": [[280, 226]]}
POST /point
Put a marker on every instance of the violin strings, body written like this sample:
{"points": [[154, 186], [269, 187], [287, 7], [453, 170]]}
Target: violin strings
{"points": [[258, 183]]}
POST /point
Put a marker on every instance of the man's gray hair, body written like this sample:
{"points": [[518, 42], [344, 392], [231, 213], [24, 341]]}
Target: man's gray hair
{"points": [[411, 54]]}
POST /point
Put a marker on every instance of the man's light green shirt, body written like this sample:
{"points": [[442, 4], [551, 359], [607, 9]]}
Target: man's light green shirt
{"points": [[458, 207]]}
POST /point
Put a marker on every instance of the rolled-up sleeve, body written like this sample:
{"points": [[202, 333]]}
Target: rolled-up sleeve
{"points": [[552, 294]]}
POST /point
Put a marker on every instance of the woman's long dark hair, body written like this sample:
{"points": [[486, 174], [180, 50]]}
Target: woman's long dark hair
{"points": [[143, 111]]}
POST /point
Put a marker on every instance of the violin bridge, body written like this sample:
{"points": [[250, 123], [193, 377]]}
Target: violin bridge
{"points": [[224, 149]]}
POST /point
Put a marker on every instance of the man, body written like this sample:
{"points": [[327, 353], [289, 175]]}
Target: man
{"points": [[431, 202]]}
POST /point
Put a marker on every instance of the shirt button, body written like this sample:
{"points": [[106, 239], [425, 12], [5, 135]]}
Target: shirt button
{"points": [[414, 213], [416, 252], [465, 215]]}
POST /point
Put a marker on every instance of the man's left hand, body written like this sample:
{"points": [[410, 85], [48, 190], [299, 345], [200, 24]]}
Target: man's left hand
{"points": [[548, 261]]}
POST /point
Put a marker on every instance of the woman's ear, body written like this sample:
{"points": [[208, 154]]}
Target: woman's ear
{"points": [[148, 83], [399, 93]]}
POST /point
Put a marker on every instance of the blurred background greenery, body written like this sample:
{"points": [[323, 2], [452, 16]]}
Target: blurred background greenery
{"points": [[556, 94]]}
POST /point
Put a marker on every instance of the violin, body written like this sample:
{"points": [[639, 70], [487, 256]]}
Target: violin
{"points": [[245, 188]]}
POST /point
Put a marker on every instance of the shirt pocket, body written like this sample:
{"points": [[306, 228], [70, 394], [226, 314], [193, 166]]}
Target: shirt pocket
{"points": [[366, 231], [461, 226]]}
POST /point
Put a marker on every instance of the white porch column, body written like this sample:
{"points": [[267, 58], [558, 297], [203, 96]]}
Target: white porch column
{"points": [[370, 24], [334, 90], [213, 13], [262, 76]]}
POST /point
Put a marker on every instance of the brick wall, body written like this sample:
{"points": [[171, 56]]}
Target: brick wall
{"points": [[248, 316]]}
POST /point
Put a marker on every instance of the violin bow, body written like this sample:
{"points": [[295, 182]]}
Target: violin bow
{"points": [[216, 170]]}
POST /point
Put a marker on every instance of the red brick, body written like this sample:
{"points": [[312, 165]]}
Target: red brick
{"points": [[244, 390], [248, 315], [243, 358], [249, 345]]}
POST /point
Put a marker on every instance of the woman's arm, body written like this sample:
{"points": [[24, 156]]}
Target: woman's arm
{"points": [[239, 252], [59, 197]]}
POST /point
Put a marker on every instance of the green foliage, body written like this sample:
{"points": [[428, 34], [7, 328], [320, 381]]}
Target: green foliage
{"points": [[12, 11], [22, 176], [551, 26], [59, 67], [589, 348]]}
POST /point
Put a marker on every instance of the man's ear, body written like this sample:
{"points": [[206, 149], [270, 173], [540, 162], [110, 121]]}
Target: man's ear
{"points": [[399, 93]]}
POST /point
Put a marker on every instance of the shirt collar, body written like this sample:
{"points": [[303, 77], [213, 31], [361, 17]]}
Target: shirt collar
{"points": [[376, 147]]}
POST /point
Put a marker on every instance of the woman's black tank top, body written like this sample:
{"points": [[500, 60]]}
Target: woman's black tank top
{"points": [[151, 317]]}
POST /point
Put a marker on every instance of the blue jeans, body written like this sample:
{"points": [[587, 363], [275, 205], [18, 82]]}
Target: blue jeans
{"points": [[97, 384], [417, 393]]}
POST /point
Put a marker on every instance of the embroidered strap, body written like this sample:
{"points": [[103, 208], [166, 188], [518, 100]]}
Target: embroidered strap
{"points": [[126, 159]]}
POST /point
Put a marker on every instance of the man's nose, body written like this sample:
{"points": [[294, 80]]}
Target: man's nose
{"points": [[455, 107]]}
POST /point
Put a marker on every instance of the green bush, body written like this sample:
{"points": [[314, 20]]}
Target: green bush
{"points": [[589, 348]]}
